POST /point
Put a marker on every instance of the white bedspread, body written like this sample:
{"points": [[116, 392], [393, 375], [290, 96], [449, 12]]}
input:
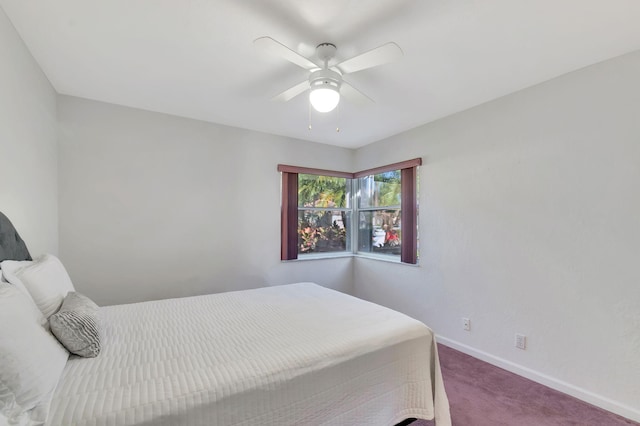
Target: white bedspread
{"points": [[297, 354]]}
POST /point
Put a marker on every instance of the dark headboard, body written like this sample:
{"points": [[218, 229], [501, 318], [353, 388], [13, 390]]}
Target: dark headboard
{"points": [[12, 247]]}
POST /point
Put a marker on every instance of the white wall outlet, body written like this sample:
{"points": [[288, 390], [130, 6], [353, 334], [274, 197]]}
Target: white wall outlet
{"points": [[521, 341], [466, 324]]}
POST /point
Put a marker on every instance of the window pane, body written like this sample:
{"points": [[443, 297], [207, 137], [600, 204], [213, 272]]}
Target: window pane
{"points": [[323, 191], [323, 231], [379, 232], [380, 190]]}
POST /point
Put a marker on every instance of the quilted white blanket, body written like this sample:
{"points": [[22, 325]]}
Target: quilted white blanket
{"points": [[297, 354]]}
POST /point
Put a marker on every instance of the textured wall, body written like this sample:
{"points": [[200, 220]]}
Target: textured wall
{"points": [[28, 146], [155, 206], [530, 223]]}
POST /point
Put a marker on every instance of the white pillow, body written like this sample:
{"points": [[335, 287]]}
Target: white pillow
{"points": [[47, 282], [31, 359], [8, 270]]}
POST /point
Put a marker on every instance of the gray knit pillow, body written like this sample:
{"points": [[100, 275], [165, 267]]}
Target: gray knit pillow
{"points": [[76, 325]]}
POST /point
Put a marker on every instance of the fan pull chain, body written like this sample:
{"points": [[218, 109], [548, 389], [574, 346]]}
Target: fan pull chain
{"points": [[338, 118], [309, 104]]}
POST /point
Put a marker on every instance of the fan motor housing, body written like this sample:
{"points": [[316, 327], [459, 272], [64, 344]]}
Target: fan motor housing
{"points": [[325, 77]]}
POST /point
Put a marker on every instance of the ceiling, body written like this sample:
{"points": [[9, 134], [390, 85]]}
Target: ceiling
{"points": [[196, 59]]}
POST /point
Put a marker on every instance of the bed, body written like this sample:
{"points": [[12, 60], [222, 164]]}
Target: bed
{"points": [[297, 354]]}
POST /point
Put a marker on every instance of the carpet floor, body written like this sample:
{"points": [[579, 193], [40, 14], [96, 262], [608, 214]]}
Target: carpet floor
{"points": [[481, 394]]}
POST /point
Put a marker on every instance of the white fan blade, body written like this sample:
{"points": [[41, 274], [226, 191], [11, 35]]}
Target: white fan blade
{"points": [[276, 48], [292, 92], [384, 54], [353, 95]]}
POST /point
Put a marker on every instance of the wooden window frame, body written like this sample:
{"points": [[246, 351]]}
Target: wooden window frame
{"points": [[409, 205]]}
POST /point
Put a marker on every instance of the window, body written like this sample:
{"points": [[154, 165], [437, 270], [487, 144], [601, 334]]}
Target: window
{"points": [[320, 206], [324, 214], [379, 213]]}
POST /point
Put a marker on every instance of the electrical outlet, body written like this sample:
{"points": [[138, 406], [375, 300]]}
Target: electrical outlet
{"points": [[466, 324], [521, 341]]}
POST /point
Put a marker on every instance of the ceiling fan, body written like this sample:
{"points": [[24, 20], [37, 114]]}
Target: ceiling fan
{"points": [[325, 82]]}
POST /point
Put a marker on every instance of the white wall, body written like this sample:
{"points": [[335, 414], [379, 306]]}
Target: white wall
{"points": [[28, 151], [530, 223], [155, 206]]}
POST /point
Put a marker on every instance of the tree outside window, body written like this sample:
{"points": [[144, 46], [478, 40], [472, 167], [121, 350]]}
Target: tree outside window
{"points": [[324, 214], [379, 213]]}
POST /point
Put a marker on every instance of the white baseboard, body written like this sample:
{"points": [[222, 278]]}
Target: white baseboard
{"points": [[564, 387]]}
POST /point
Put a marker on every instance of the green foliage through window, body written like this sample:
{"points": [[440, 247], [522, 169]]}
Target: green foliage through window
{"points": [[322, 191], [379, 213], [321, 228]]}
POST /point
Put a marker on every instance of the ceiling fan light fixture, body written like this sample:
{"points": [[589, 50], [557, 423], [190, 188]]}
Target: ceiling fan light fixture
{"points": [[325, 81], [324, 98], [325, 90]]}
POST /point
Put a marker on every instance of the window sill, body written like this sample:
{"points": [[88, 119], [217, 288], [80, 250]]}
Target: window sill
{"points": [[325, 256], [383, 258], [320, 256]]}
